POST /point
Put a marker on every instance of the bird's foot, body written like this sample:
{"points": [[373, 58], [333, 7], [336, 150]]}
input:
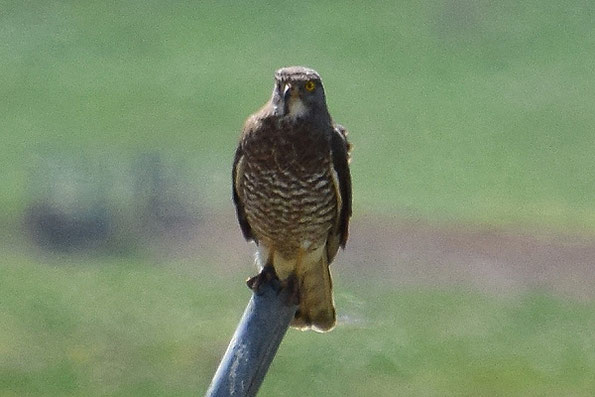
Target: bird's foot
{"points": [[292, 286], [266, 276]]}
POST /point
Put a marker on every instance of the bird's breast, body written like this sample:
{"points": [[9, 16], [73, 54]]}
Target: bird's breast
{"points": [[288, 192]]}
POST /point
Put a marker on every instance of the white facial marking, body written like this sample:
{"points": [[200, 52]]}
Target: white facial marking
{"points": [[296, 108]]}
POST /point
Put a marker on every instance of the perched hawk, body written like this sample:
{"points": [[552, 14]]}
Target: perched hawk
{"points": [[292, 191]]}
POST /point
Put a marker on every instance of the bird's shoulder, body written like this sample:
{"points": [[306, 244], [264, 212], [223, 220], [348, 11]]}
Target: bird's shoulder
{"points": [[340, 140], [258, 121]]}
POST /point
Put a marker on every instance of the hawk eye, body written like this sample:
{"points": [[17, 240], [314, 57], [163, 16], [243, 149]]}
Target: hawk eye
{"points": [[310, 85]]}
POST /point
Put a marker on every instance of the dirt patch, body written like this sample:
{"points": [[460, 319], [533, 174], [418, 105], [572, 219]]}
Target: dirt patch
{"points": [[496, 260], [416, 253]]}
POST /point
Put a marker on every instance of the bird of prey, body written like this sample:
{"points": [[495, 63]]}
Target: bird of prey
{"points": [[292, 191]]}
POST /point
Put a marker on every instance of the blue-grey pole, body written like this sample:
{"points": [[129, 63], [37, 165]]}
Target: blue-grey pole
{"points": [[254, 343]]}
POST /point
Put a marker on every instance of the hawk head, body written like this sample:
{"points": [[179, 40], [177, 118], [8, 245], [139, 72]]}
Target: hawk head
{"points": [[298, 93]]}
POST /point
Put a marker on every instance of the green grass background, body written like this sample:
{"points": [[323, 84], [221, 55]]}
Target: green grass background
{"points": [[460, 111], [123, 328]]}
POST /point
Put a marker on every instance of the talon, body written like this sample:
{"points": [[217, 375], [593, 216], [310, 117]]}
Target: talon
{"points": [[292, 285], [251, 282], [266, 276]]}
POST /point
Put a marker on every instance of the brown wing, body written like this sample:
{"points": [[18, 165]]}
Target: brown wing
{"points": [[237, 172], [340, 156]]}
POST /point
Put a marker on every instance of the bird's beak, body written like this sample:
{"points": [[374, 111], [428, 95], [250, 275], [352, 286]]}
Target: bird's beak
{"points": [[287, 93], [290, 94], [286, 97]]}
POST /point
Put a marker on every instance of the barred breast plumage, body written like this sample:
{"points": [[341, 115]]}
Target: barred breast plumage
{"points": [[289, 197]]}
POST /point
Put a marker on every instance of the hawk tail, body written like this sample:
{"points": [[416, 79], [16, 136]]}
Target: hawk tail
{"points": [[316, 308]]}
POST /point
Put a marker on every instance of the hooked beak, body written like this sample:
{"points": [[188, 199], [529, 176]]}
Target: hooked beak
{"points": [[287, 93]]}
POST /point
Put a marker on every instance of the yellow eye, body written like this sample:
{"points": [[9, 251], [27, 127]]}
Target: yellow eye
{"points": [[310, 85]]}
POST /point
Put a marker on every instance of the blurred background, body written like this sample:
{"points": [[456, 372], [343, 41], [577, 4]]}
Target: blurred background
{"points": [[470, 265]]}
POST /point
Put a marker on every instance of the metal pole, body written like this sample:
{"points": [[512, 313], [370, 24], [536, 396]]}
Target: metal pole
{"points": [[254, 343]]}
